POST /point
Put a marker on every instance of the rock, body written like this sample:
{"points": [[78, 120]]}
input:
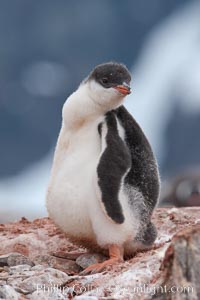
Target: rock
{"points": [[181, 266], [38, 268], [151, 268], [44, 260], [68, 266], [67, 255], [18, 259], [49, 278], [8, 293], [15, 282], [4, 275], [13, 259], [65, 265], [19, 269], [85, 298], [87, 259], [22, 291], [44, 295], [4, 260]]}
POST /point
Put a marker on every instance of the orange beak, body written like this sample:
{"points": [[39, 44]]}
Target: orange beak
{"points": [[123, 89]]}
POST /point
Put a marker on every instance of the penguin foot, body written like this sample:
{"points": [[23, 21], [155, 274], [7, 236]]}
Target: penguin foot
{"points": [[97, 268], [116, 255]]}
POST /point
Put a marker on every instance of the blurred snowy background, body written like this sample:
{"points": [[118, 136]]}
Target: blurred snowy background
{"points": [[48, 47]]}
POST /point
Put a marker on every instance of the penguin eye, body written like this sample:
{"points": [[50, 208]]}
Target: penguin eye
{"points": [[104, 80]]}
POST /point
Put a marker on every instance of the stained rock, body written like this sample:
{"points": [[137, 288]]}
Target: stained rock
{"points": [[181, 266], [87, 259]]}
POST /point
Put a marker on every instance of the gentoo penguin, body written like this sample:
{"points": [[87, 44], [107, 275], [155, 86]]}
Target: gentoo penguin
{"points": [[104, 182]]}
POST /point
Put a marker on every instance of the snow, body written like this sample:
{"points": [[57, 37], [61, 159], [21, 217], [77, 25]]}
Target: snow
{"points": [[24, 195], [173, 209]]}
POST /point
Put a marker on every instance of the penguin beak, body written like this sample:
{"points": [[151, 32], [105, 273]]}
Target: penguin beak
{"points": [[123, 89]]}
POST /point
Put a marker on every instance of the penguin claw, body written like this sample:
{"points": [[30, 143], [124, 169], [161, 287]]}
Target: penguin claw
{"points": [[97, 268], [93, 269]]}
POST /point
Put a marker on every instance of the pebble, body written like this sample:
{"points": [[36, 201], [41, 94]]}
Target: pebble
{"points": [[48, 279], [21, 291], [14, 259], [3, 260], [19, 269], [19, 259], [42, 295], [38, 268], [3, 275], [45, 260], [87, 259], [8, 293], [65, 265], [85, 298]]}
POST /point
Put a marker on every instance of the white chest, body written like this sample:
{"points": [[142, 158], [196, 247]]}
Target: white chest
{"points": [[81, 154], [71, 188]]}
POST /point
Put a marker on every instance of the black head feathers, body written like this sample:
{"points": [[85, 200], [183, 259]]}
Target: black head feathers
{"points": [[111, 75]]}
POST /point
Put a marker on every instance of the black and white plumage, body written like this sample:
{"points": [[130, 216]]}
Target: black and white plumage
{"points": [[104, 182]]}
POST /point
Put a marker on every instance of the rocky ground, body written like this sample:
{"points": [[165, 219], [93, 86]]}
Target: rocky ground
{"points": [[170, 270]]}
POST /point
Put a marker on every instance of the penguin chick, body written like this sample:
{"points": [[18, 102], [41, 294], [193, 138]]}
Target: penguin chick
{"points": [[104, 181]]}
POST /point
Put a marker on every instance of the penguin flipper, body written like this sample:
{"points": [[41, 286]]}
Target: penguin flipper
{"points": [[143, 174], [114, 163]]}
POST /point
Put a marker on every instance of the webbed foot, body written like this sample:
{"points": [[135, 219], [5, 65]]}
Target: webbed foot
{"points": [[116, 256]]}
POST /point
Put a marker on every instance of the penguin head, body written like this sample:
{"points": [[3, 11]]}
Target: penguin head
{"points": [[109, 83]]}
